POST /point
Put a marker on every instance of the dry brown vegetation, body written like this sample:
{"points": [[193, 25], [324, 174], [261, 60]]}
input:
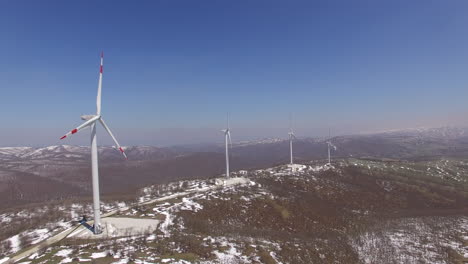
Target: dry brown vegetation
{"points": [[320, 215]]}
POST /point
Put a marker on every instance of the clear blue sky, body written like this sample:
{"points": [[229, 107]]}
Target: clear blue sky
{"points": [[174, 68]]}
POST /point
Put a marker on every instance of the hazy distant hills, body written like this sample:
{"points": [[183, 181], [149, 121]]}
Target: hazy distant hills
{"points": [[407, 144], [439, 132], [396, 144], [79, 153], [59, 172]]}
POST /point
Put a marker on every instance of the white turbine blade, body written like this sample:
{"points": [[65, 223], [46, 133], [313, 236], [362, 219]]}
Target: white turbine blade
{"points": [[112, 136], [290, 123], [98, 99], [229, 136], [85, 124], [227, 121]]}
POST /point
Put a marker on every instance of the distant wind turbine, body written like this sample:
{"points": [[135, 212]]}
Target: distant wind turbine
{"points": [[227, 142], [90, 120], [330, 145], [291, 138]]}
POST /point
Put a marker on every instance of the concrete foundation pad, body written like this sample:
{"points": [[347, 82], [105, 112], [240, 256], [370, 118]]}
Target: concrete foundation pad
{"points": [[119, 227], [231, 181]]}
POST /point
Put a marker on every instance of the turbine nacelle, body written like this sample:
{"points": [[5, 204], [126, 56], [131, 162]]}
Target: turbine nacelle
{"points": [[292, 136], [331, 145], [87, 117]]}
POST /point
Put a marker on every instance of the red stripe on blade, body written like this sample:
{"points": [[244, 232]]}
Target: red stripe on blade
{"points": [[74, 131], [121, 150], [63, 137]]}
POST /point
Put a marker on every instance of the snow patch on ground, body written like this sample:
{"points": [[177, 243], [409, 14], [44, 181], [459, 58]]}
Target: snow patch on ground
{"points": [[39, 235], [15, 243], [408, 240], [99, 255], [64, 252], [231, 255]]}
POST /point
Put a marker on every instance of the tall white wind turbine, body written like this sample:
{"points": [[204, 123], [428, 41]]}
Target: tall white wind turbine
{"points": [[291, 138], [227, 142], [90, 121], [330, 145]]}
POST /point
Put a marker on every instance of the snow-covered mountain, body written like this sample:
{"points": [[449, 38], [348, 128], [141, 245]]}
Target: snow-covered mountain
{"points": [[67, 152], [445, 132], [14, 152], [403, 143], [256, 142]]}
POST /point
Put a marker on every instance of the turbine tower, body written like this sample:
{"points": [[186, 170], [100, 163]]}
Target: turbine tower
{"points": [[90, 121], [291, 138], [330, 145], [227, 142]]}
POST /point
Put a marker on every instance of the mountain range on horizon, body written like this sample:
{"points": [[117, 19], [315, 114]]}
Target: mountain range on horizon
{"points": [[436, 132], [67, 167], [348, 145]]}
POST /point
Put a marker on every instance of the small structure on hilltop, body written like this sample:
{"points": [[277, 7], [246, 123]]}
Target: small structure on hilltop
{"points": [[297, 167], [242, 172]]}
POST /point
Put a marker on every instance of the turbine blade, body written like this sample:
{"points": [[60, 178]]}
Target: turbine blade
{"points": [[112, 136], [229, 136], [98, 99], [85, 124], [227, 121], [290, 123]]}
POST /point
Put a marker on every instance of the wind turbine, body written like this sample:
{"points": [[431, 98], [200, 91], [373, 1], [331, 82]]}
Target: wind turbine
{"points": [[227, 141], [291, 138], [330, 145], [90, 121]]}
